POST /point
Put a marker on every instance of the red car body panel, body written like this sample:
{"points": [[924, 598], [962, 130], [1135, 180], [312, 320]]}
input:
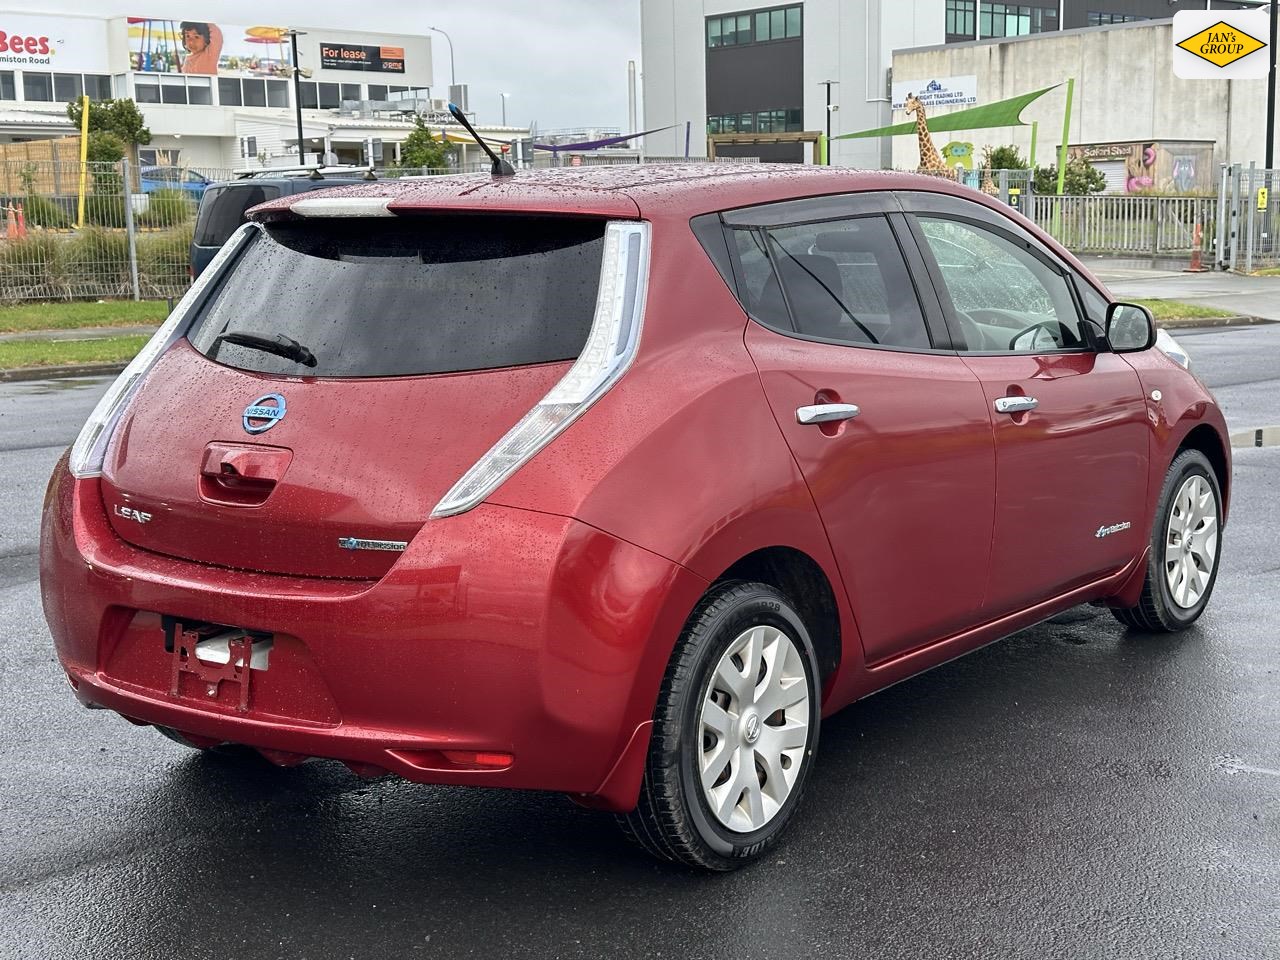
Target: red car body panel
{"points": [[540, 623]]}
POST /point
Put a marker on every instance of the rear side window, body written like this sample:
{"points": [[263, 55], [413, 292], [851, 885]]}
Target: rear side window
{"points": [[222, 210], [842, 280], [371, 297]]}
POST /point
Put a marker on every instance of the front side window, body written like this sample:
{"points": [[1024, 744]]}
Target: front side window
{"points": [[841, 280], [1005, 298]]}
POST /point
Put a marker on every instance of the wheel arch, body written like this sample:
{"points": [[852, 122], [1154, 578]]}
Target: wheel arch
{"points": [[1204, 438], [803, 581]]}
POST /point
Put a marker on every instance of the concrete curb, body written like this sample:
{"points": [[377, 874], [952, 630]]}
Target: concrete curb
{"points": [[19, 374], [1183, 323]]}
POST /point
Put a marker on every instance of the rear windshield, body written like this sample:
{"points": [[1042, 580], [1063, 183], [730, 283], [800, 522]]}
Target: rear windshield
{"points": [[372, 296], [222, 210]]}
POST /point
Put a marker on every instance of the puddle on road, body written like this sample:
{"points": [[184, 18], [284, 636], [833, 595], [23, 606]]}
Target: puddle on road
{"points": [[1265, 437], [38, 388]]}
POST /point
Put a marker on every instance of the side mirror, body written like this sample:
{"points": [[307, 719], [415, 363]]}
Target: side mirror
{"points": [[1130, 328]]}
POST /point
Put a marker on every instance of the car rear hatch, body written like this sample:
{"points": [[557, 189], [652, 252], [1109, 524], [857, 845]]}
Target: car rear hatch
{"points": [[340, 378]]}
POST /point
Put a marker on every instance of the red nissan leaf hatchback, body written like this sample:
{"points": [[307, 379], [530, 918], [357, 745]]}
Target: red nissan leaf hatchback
{"points": [[617, 481]]}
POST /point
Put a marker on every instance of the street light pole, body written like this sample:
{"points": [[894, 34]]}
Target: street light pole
{"points": [[504, 107], [297, 98], [828, 84], [453, 79], [1271, 90]]}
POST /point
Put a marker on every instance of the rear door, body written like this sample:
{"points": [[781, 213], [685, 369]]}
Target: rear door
{"points": [[340, 379], [1069, 417], [904, 486]]}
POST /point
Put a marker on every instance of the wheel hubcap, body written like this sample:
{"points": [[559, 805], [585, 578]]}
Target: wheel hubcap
{"points": [[754, 727], [1191, 542]]}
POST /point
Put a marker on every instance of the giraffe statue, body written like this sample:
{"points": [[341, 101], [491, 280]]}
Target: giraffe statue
{"points": [[930, 160], [988, 185]]}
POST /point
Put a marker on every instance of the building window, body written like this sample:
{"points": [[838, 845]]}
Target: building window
{"points": [[255, 92], [377, 91], [7, 89], [351, 91], [277, 93], [761, 121], [1097, 19], [1012, 20], [200, 91], [961, 20], [762, 26], [97, 86], [329, 96], [169, 88], [229, 92], [37, 86], [67, 87], [307, 95]]}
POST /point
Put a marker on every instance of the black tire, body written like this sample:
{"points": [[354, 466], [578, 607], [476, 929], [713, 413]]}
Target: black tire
{"points": [[1156, 611], [673, 820]]}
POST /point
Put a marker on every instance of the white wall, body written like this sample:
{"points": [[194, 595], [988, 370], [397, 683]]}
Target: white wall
{"points": [[1125, 90], [850, 41]]}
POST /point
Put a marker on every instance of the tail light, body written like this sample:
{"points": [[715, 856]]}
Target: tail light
{"points": [[90, 448], [610, 348]]}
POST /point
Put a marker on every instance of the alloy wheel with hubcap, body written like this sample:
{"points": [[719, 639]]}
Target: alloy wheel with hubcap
{"points": [[755, 725], [1184, 550], [734, 731]]}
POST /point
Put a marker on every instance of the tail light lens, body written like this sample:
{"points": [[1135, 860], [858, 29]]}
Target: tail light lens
{"points": [[610, 348], [90, 448]]}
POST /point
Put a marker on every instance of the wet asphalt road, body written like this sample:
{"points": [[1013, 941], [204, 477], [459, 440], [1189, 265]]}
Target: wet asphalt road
{"points": [[1074, 791]]}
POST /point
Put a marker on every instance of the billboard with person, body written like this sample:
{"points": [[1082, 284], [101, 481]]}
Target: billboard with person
{"points": [[207, 48]]}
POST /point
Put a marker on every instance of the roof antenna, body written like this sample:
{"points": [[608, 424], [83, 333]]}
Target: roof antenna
{"points": [[500, 167]]}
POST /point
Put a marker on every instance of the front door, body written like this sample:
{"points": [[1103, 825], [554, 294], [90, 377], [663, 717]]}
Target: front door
{"points": [[891, 435], [1069, 419]]}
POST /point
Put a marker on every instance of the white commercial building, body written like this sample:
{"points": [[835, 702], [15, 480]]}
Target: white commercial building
{"points": [[217, 95], [722, 66]]}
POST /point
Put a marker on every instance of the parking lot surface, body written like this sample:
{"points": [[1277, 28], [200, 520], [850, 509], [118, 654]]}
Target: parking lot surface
{"points": [[1074, 791]]}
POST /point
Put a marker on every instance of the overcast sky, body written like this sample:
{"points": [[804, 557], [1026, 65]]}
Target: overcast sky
{"points": [[564, 62]]}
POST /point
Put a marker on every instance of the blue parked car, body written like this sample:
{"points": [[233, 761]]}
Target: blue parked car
{"points": [[173, 178]]}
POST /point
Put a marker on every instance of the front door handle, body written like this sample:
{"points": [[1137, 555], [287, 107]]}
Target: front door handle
{"points": [[826, 412], [1016, 404]]}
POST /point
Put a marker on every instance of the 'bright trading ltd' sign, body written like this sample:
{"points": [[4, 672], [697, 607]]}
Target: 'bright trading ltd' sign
{"points": [[1220, 44], [942, 92]]}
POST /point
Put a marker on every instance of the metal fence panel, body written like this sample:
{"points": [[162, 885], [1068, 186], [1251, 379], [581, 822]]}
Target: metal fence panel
{"points": [[1128, 225]]}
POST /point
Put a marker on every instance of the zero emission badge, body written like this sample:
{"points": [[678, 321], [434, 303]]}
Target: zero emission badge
{"points": [[1219, 44]]}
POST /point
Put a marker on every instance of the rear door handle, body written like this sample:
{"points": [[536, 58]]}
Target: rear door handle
{"points": [[826, 412], [1016, 404]]}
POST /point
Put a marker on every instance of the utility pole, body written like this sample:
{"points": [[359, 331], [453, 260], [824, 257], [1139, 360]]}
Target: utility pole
{"points": [[453, 78], [297, 94]]}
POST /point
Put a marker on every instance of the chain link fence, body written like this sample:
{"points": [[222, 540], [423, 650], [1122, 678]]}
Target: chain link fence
{"points": [[133, 240]]}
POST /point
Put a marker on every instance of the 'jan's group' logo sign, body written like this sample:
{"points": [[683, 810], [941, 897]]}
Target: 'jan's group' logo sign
{"points": [[1220, 45]]}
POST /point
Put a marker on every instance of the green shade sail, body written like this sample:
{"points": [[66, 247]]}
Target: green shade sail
{"points": [[1002, 113]]}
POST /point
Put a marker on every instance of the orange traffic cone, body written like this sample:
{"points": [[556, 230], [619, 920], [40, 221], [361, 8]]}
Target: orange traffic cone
{"points": [[10, 223], [22, 223], [1197, 237]]}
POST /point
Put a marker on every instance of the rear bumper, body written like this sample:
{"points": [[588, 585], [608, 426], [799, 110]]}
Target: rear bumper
{"points": [[499, 631]]}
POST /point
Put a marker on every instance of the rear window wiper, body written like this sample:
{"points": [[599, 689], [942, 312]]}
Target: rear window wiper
{"points": [[277, 344]]}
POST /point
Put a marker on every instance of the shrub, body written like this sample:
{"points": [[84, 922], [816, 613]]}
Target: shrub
{"points": [[98, 262], [43, 212], [167, 208], [1008, 158], [163, 259], [34, 267], [1081, 179]]}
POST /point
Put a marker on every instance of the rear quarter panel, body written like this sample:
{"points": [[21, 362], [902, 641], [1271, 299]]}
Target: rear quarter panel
{"points": [[683, 456]]}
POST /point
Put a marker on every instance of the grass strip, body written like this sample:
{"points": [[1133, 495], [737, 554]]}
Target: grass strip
{"points": [[52, 353], [1176, 310], [23, 317]]}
